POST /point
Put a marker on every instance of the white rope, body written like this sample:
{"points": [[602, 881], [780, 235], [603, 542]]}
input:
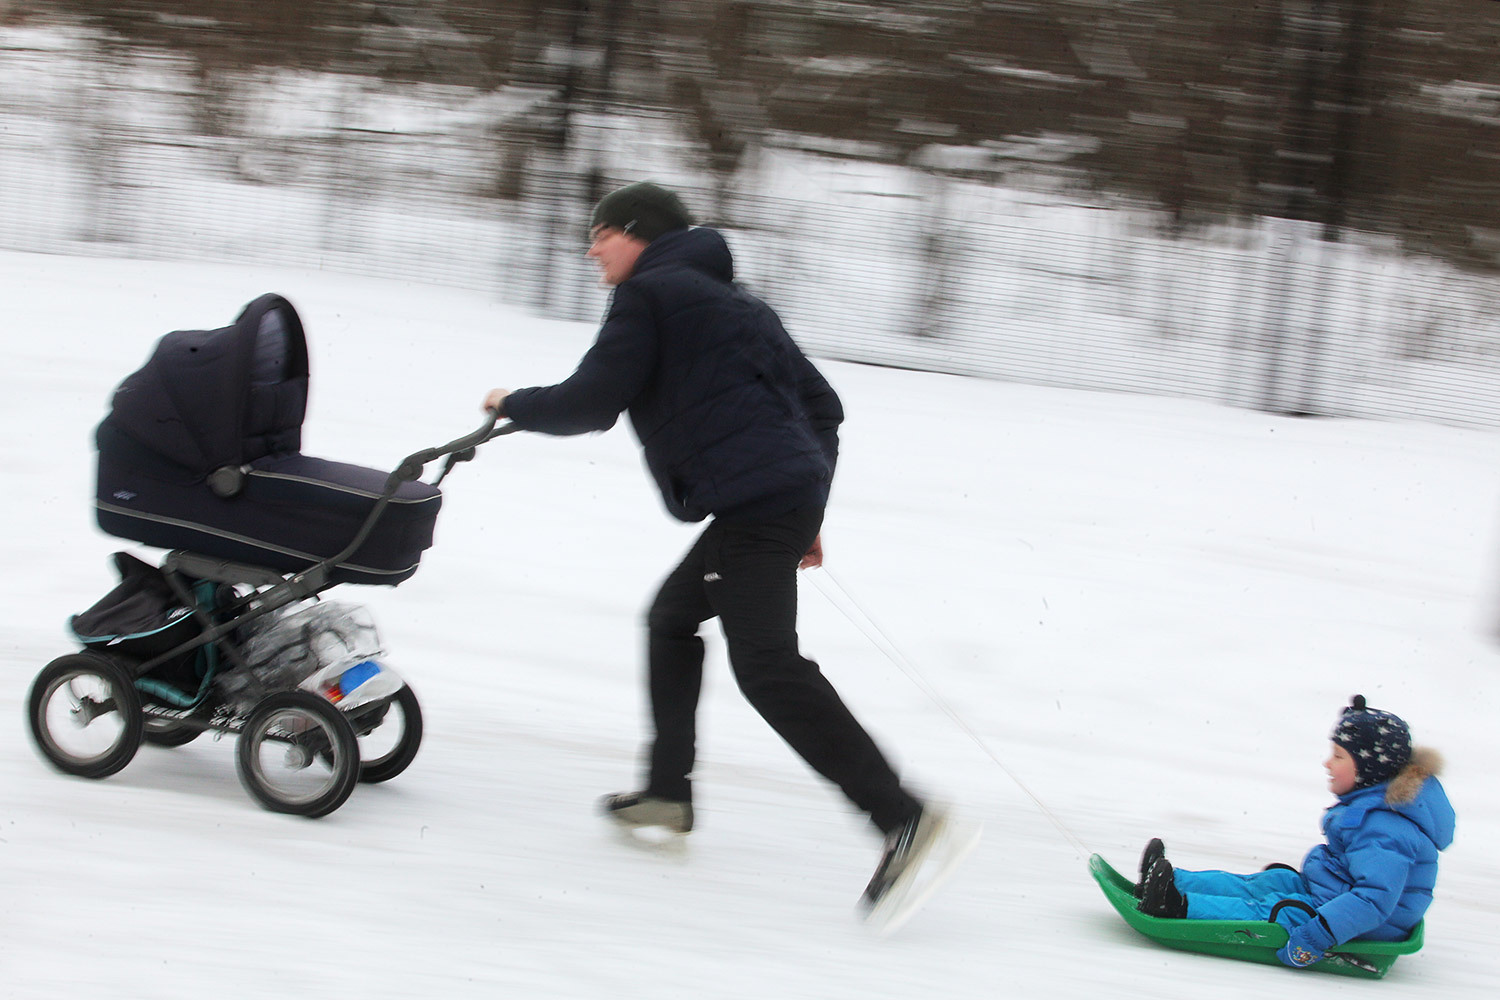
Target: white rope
{"points": [[883, 642]]}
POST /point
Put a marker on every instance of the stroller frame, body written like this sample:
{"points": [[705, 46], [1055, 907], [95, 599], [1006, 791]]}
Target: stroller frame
{"points": [[308, 726]]}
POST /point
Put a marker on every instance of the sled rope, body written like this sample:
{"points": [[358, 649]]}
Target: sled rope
{"points": [[866, 625]]}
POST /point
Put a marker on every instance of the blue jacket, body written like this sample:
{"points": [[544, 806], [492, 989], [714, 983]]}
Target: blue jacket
{"points": [[1374, 877], [732, 417]]}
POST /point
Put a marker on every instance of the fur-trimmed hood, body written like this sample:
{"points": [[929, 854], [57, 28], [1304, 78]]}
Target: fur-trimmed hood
{"points": [[1403, 788], [1414, 793]]}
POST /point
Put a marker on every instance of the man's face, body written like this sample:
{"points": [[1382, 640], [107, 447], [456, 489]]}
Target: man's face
{"points": [[615, 251]]}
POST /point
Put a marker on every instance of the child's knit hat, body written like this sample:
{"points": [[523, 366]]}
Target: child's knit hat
{"points": [[1379, 742]]}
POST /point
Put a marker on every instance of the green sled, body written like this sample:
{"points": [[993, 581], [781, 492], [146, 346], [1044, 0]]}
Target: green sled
{"points": [[1253, 941]]}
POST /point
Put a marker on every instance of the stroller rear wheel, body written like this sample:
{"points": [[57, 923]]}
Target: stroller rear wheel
{"points": [[389, 737], [297, 754], [85, 715]]}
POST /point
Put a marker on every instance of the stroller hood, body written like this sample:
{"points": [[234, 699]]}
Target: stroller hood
{"points": [[210, 398], [202, 451]]}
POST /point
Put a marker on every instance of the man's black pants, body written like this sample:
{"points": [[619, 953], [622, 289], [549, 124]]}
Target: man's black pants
{"points": [[745, 574]]}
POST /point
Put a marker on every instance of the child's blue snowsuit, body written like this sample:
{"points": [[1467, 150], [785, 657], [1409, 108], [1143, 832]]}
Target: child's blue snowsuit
{"points": [[1373, 879], [1216, 895]]}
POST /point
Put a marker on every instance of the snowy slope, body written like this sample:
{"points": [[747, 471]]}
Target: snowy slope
{"points": [[1145, 611]]}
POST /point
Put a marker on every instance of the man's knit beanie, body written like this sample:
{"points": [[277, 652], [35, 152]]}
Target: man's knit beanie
{"points": [[1379, 742], [644, 210]]}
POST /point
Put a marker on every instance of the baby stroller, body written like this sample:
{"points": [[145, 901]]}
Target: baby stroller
{"points": [[200, 455]]}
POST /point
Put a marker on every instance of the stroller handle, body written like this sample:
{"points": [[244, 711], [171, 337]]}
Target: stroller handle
{"points": [[459, 450]]}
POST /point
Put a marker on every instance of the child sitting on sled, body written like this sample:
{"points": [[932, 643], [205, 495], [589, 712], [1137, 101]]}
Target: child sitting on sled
{"points": [[1373, 878]]}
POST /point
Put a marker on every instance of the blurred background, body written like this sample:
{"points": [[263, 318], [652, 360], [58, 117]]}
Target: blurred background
{"points": [[1289, 205]]}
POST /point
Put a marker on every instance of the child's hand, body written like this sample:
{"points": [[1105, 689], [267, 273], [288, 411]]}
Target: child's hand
{"points": [[1307, 944]]}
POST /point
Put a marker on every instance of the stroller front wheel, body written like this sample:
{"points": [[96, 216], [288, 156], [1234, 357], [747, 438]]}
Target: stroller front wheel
{"points": [[297, 754], [389, 742], [85, 715]]}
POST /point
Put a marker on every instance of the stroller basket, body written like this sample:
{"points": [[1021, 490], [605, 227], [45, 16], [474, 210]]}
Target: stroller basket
{"points": [[144, 620]]}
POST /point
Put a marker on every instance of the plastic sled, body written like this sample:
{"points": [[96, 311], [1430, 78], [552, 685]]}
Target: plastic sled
{"points": [[1252, 941]]}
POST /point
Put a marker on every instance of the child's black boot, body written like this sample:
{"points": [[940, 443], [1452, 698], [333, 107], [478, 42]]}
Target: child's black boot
{"points": [[1159, 895], [1154, 850]]}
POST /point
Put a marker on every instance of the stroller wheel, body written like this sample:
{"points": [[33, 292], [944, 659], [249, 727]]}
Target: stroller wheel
{"points": [[389, 741], [166, 733], [298, 755], [85, 715]]}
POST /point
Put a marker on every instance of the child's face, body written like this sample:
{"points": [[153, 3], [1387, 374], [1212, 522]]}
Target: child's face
{"points": [[1342, 773]]}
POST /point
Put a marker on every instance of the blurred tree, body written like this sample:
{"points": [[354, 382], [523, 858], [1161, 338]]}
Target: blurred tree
{"points": [[1372, 115]]}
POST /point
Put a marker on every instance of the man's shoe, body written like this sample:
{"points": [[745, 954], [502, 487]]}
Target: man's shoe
{"points": [[638, 811], [916, 859], [1159, 895]]}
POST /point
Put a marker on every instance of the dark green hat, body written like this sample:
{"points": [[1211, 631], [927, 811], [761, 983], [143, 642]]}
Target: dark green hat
{"points": [[644, 210]]}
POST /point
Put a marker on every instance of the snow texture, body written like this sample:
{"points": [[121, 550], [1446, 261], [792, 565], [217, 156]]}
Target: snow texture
{"points": [[1097, 618]]}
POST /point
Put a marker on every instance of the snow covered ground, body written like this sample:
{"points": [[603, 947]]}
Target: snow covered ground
{"points": [[1118, 617]]}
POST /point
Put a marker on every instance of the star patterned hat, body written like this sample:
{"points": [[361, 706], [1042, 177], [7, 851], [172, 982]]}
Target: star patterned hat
{"points": [[1379, 742]]}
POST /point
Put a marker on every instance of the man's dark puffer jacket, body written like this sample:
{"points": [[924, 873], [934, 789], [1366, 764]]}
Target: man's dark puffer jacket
{"points": [[733, 418]]}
